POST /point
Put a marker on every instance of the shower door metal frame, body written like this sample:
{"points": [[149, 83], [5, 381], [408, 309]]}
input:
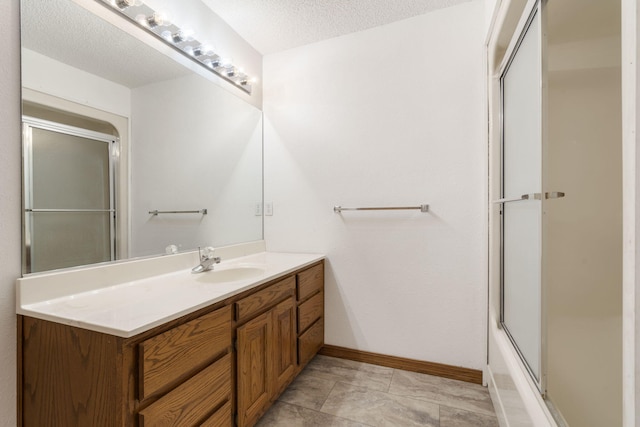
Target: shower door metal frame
{"points": [[29, 123], [532, 9]]}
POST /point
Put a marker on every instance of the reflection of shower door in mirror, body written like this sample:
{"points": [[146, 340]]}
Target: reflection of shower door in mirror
{"points": [[521, 202], [69, 212]]}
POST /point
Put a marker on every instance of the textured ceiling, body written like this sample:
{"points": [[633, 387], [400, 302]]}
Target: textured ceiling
{"points": [[69, 33], [274, 25]]}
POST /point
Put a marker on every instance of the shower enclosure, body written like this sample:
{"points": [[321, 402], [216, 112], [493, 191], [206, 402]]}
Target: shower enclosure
{"points": [[69, 210], [560, 206]]}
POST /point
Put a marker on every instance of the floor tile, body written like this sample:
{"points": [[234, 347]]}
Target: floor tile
{"points": [[452, 393], [379, 409], [453, 417], [307, 391], [286, 415], [348, 371]]}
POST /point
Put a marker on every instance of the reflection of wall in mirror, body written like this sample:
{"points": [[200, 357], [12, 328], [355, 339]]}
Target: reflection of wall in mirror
{"points": [[61, 93], [196, 146], [224, 176], [47, 75]]}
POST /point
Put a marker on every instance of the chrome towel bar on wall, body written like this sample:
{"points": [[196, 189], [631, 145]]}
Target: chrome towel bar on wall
{"points": [[421, 208], [156, 212]]}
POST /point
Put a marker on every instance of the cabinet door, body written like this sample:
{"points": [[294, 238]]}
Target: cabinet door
{"points": [[284, 344], [254, 368]]}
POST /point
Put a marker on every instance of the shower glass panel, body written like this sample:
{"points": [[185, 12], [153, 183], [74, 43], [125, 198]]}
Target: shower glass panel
{"points": [[69, 208], [582, 233], [521, 196]]}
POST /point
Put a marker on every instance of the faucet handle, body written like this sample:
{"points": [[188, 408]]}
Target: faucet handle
{"points": [[209, 251], [206, 253]]}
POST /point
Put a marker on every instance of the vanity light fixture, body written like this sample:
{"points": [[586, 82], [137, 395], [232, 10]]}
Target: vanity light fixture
{"points": [[123, 4], [182, 40]]}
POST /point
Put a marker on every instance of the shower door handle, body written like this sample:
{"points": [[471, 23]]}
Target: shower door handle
{"points": [[554, 195], [530, 196]]}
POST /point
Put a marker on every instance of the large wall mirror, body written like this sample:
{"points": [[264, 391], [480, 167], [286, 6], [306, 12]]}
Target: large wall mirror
{"points": [[115, 130]]}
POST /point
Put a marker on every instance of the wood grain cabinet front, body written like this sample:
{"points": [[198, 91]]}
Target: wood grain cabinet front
{"points": [[178, 374], [266, 360], [284, 341], [182, 373], [310, 281], [310, 302], [264, 299], [183, 350], [253, 371], [274, 346], [194, 401], [310, 311]]}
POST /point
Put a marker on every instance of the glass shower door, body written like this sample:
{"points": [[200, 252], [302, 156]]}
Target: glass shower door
{"points": [[68, 196], [522, 199]]}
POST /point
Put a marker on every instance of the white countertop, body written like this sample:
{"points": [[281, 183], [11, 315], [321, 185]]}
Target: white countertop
{"points": [[129, 308]]}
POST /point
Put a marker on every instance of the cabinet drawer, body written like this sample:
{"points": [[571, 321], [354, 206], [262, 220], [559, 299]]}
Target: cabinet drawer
{"points": [[221, 418], [310, 342], [310, 281], [190, 403], [310, 311], [248, 307], [167, 357]]}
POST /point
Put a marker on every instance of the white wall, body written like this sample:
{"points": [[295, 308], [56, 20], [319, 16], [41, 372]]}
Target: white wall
{"points": [[9, 204], [387, 116]]}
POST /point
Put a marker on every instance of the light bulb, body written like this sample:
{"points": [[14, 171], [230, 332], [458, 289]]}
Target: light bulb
{"points": [[123, 4], [158, 19], [142, 20], [187, 35], [203, 49], [212, 62], [175, 38], [188, 50], [182, 36]]}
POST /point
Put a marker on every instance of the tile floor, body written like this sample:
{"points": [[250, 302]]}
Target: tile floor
{"points": [[343, 393]]}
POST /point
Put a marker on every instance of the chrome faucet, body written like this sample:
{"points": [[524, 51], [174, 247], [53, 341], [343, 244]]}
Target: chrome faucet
{"points": [[207, 260]]}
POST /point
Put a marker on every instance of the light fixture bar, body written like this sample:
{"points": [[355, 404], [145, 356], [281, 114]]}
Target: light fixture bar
{"points": [[160, 26]]}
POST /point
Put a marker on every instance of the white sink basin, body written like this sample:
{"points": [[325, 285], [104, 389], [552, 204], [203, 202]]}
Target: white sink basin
{"points": [[231, 274]]}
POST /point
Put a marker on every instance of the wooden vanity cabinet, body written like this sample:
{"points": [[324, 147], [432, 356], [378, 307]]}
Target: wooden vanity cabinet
{"points": [[310, 303], [279, 339], [175, 375], [196, 355], [266, 349], [183, 373]]}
